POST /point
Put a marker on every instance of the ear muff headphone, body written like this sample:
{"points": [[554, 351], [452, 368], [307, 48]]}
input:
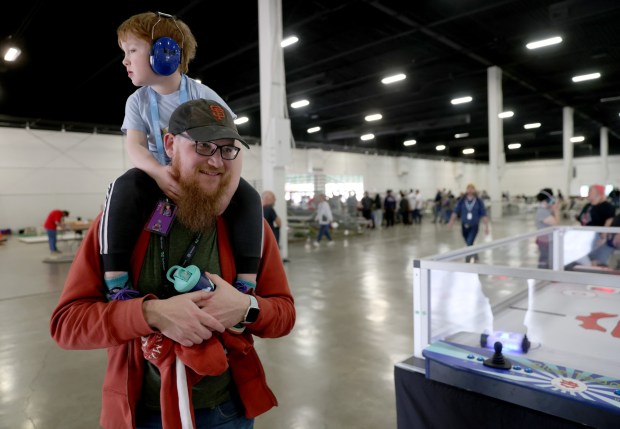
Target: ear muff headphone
{"points": [[550, 199], [165, 51]]}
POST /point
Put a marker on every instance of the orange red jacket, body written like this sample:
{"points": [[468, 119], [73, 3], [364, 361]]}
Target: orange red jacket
{"points": [[84, 320]]}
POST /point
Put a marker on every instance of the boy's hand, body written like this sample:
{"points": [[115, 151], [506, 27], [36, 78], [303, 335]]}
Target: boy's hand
{"points": [[168, 183]]}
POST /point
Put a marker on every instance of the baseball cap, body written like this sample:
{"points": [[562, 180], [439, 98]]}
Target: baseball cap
{"points": [[204, 120]]}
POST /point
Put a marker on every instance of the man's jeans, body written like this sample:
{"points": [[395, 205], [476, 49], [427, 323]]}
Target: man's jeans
{"points": [[227, 415], [51, 239], [470, 233]]}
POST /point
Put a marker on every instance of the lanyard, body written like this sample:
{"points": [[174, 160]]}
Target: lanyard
{"points": [[161, 155], [470, 205], [185, 260]]}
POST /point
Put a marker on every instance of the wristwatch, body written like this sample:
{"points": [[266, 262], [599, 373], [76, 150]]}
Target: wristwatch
{"points": [[252, 312]]}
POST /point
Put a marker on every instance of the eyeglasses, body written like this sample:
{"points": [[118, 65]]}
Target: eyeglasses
{"points": [[228, 152]]}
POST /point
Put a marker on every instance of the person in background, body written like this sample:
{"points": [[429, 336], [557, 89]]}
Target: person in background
{"points": [[412, 202], [598, 209], [172, 360], [607, 245], [367, 210], [403, 209], [157, 51], [614, 197], [377, 212], [270, 215], [471, 211], [597, 212], [418, 208], [437, 204], [325, 219], [352, 204], [389, 208], [447, 207], [55, 219], [547, 214]]}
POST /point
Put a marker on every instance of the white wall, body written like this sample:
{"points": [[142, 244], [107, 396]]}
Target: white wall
{"points": [[44, 170], [529, 177]]}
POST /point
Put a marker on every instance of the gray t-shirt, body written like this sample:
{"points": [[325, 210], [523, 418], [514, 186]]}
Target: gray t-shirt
{"points": [[542, 213], [138, 110]]}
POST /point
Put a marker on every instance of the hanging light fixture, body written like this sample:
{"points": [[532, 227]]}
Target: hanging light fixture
{"points": [[11, 51]]}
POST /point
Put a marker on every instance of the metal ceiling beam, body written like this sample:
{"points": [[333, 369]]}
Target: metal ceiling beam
{"points": [[484, 61]]}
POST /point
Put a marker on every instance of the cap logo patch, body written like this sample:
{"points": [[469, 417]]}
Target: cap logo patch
{"points": [[218, 112]]}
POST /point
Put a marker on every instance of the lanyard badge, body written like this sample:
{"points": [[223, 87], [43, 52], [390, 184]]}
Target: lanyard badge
{"points": [[162, 217]]}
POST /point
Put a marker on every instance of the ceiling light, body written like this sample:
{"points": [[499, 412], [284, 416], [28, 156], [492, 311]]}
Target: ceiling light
{"points": [[440, 147], [374, 117], [289, 41], [12, 53], [300, 103], [532, 125], [409, 142], [367, 137], [543, 43], [586, 77], [392, 79], [468, 151], [577, 139], [508, 114], [461, 100], [241, 120], [314, 130], [461, 135], [514, 145]]}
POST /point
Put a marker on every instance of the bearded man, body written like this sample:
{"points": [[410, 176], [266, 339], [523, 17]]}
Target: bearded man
{"points": [[174, 360]]}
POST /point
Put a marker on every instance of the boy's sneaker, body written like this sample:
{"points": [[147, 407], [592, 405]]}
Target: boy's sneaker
{"points": [[316, 244], [330, 243], [122, 294]]}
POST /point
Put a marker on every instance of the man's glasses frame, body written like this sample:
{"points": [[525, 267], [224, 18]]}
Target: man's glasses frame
{"points": [[228, 152]]}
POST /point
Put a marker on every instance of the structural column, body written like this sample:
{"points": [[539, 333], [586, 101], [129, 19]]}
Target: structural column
{"points": [[567, 134], [604, 143], [275, 125], [497, 158]]}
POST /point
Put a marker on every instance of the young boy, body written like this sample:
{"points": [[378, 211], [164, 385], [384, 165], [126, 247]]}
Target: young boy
{"points": [[547, 214], [158, 48]]}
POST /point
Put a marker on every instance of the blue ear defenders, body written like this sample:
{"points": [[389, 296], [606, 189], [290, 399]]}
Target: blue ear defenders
{"points": [[165, 52], [550, 199]]}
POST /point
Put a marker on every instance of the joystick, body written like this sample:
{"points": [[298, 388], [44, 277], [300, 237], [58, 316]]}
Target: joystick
{"points": [[498, 361]]}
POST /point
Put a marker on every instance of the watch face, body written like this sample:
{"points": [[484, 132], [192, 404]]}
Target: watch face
{"points": [[252, 315]]}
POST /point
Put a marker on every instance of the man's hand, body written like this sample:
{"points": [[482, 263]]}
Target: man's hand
{"points": [[226, 304], [181, 319]]}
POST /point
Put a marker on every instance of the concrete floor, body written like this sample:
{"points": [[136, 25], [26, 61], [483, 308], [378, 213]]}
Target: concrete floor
{"points": [[335, 370]]}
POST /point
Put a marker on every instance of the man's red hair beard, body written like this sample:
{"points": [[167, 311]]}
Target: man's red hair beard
{"points": [[197, 209]]}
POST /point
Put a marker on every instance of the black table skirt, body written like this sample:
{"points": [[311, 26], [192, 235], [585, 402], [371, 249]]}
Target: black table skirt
{"points": [[422, 403]]}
